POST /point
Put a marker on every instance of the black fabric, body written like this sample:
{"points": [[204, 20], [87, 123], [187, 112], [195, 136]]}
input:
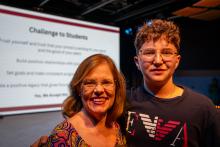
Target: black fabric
{"points": [[188, 120]]}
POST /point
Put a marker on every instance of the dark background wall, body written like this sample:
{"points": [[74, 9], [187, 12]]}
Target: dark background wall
{"points": [[200, 44]]}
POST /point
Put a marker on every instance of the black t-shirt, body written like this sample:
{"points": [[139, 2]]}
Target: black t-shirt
{"points": [[190, 120]]}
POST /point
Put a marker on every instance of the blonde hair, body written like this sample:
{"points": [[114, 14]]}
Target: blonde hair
{"points": [[73, 103]]}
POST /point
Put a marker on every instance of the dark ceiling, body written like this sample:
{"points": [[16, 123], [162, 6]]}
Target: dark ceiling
{"points": [[111, 12]]}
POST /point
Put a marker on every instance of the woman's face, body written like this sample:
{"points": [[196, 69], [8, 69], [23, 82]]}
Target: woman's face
{"points": [[98, 91]]}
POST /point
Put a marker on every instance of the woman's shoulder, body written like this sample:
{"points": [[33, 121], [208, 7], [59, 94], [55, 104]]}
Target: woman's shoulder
{"points": [[62, 126], [66, 135], [60, 134]]}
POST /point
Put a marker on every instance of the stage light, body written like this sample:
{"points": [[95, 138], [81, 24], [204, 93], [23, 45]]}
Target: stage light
{"points": [[128, 31]]}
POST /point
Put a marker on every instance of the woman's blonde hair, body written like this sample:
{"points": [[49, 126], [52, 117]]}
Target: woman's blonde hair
{"points": [[73, 103]]}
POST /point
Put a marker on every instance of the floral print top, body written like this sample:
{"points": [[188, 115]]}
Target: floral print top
{"points": [[65, 135]]}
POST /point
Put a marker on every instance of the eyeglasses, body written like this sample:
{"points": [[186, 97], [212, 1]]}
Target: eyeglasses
{"points": [[91, 84], [166, 54]]}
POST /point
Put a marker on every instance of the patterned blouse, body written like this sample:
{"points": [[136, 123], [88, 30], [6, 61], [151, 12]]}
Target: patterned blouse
{"points": [[65, 135]]}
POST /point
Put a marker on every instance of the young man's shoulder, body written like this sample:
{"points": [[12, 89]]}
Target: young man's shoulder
{"points": [[195, 96], [198, 101], [135, 93]]}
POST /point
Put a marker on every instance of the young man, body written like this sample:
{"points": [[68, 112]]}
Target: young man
{"points": [[161, 113]]}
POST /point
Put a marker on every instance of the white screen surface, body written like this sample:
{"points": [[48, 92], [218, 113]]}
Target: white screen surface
{"points": [[39, 54]]}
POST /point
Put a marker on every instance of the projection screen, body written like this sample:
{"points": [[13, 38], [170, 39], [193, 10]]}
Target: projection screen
{"points": [[39, 54]]}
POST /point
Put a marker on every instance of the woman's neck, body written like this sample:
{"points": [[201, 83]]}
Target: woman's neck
{"points": [[92, 121], [94, 132]]}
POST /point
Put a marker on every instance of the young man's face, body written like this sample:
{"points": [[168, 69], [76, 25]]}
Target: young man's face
{"points": [[157, 61]]}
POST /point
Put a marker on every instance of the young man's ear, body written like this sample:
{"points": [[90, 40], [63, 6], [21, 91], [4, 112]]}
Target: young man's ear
{"points": [[178, 62], [136, 62]]}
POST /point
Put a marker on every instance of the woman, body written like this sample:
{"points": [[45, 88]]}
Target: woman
{"points": [[96, 101]]}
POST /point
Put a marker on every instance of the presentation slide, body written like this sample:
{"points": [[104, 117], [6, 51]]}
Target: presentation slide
{"points": [[39, 55]]}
